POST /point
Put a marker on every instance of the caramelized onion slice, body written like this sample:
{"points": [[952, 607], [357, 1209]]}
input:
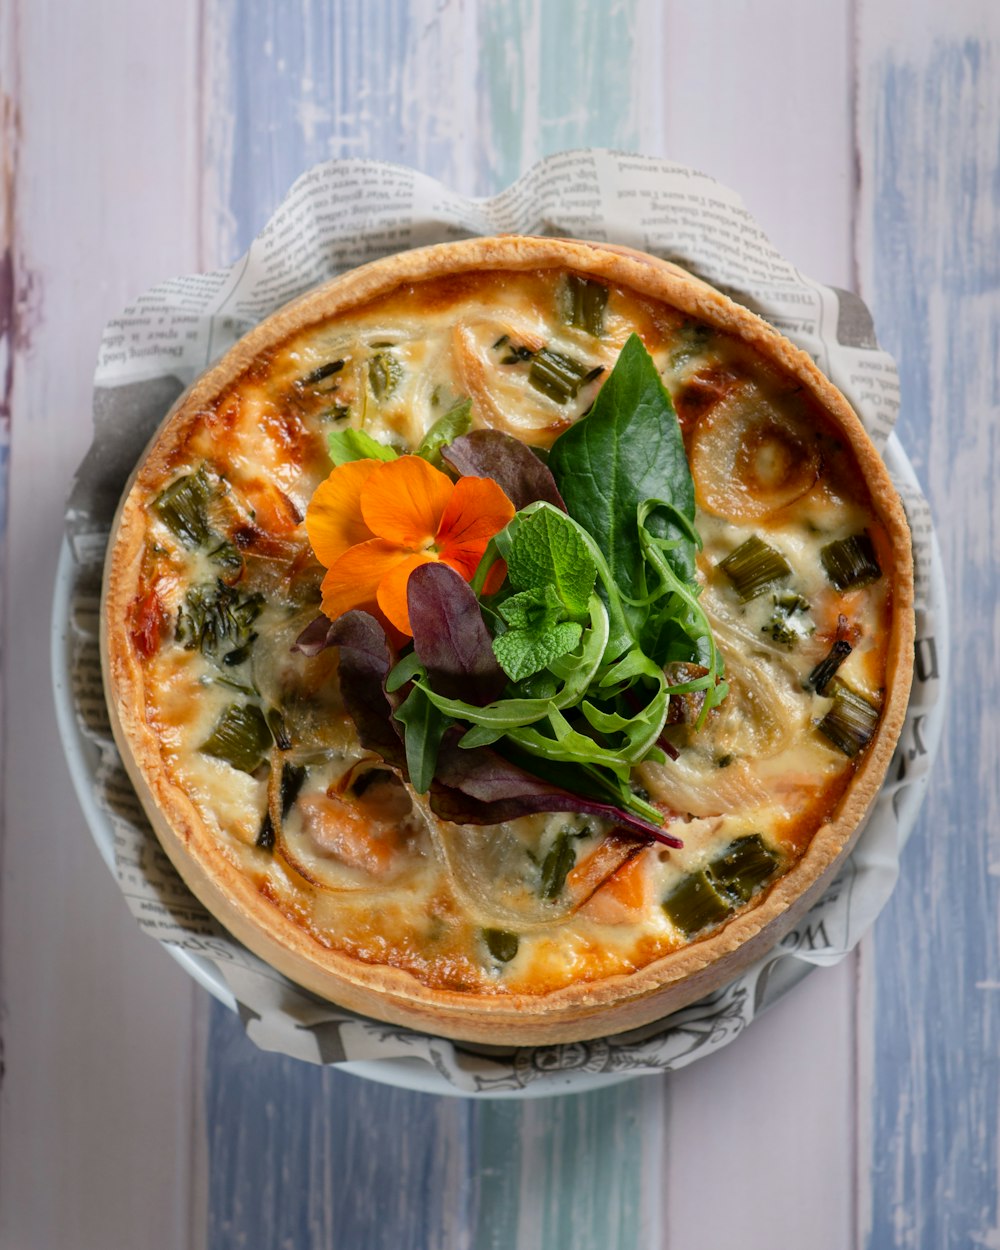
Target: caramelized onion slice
{"points": [[694, 784], [750, 456], [502, 396], [341, 844], [495, 876]]}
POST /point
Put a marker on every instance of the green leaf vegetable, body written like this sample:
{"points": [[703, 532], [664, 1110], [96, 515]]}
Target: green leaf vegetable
{"points": [[347, 445], [455, 422], [596, 603]]}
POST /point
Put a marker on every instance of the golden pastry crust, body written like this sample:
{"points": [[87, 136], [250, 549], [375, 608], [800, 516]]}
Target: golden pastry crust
{"points": [[573, 1011]]}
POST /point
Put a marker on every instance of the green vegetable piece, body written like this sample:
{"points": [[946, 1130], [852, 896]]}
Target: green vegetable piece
{"points": [[227, 556], [754, 567], [240, 737], [384, 374], [549, 562], [626, 451], [745, 865], [826, 669], [549, 551], [851, 722], [557, 864], [787, 625], [501, 944], [557, 376], [586, 301], [347, 445], [217, 620], [693, 338], [424, 727], [279, 730], [456, 421], [695, 904], [181, 508], [292, 778], [851, 561], [321, 374], [524, 652]]}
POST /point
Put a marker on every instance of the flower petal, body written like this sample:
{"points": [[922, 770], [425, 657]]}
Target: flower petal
{"points": [[333, 518], [477, 510], [404, 501], [353, 580], [392, 590]]}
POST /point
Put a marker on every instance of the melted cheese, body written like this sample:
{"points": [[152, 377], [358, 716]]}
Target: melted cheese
{"points": [[379, 877]]}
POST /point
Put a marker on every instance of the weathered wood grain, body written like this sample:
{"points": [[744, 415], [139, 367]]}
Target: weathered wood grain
{"points": [[143, 140], [929, 247], [96, 1142], [369, 1165]]}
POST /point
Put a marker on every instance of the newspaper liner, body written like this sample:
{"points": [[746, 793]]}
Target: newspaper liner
{"points": [[342, 214]]}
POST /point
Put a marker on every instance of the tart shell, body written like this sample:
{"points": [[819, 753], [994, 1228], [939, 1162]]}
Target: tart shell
{"points": [[582, 1010]]}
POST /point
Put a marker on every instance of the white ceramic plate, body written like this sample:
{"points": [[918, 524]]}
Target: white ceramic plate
{"points": [[83, 758]]}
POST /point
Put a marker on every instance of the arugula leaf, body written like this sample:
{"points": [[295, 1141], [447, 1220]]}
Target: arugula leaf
{"points": [[347, 445], [444, 431], [481, 787], [626, 450], [424, 728]]}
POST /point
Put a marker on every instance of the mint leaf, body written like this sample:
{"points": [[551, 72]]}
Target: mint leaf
{"points": [[548, 552], [533, 609], [347, 445], [523, 652], [456, 421]]}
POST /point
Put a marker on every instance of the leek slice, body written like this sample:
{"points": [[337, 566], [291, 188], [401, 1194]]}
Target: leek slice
{"points": [[557, 376], [851, 722], [240, 737], [181, 508], [501, 943], [586, 301], [695, 904], [744, 867], [850, 562], [754, 567]]}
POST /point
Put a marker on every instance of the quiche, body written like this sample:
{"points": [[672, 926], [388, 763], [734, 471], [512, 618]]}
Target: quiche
{"points": [[508, 638]]}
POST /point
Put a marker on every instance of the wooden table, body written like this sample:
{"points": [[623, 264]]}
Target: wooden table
{"points": [[142, 140]]}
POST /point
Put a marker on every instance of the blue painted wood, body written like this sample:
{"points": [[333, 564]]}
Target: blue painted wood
{"points": [[305, 1157], [933, 162]]}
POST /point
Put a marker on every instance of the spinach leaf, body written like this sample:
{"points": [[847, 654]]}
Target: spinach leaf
{"points": [[628, 449]]}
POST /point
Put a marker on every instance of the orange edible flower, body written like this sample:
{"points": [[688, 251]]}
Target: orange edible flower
{"points": [[372, 522]]}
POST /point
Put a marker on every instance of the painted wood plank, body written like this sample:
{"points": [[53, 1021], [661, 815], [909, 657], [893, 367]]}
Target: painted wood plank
{"points": [[760, 97], [96, 1112], [929, 159], [417, 1170]]}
